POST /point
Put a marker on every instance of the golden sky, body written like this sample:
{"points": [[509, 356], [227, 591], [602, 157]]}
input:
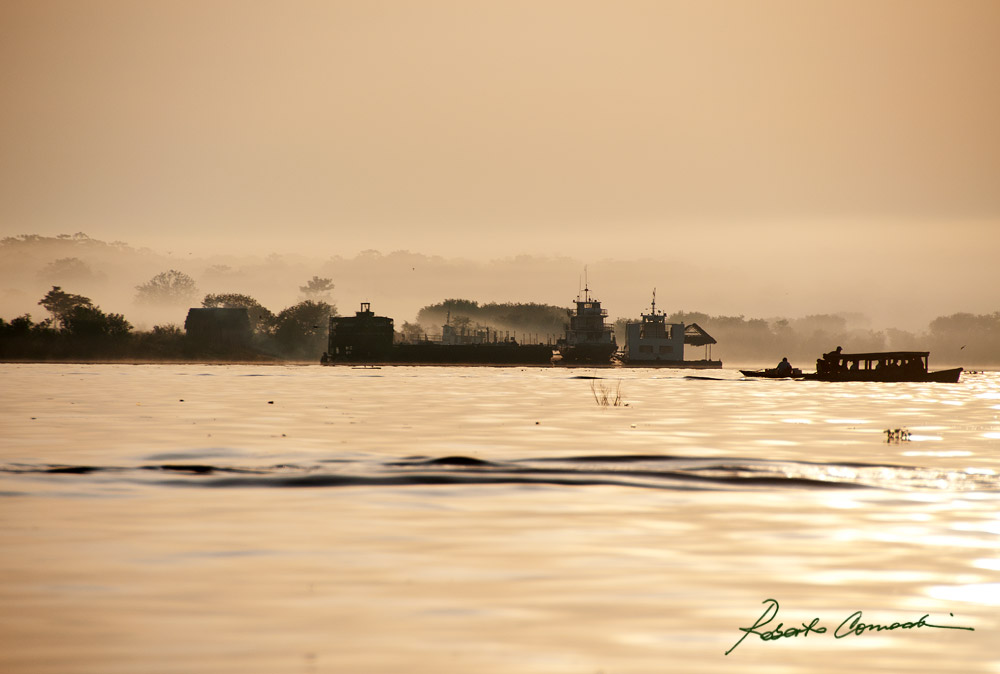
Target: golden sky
{"points": [[493, 128]]}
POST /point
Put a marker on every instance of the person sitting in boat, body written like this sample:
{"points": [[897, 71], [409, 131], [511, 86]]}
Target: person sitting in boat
{"points": [[784, 368]]}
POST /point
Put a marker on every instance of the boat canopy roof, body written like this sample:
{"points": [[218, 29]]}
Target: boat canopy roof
{"points": [[879, 355], [695, 335]]}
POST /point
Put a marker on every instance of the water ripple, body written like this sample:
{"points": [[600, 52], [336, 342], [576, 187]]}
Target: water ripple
{"points": [[641, 471]]}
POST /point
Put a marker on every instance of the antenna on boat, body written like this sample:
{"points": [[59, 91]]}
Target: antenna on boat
{"points": [[586, 285], [654, 302]]}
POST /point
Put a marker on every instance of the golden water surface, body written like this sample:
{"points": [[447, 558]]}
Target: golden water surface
{"points": [[446, 520]]}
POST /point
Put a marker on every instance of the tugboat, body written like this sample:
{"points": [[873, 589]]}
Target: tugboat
{"points": [[589, 339]]}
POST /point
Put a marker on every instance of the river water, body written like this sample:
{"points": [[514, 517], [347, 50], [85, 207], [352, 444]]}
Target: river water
{"points": [[194, 518]]}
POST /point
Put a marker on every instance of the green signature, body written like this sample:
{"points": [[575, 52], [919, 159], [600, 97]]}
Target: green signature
{"points": [[852, 625]]}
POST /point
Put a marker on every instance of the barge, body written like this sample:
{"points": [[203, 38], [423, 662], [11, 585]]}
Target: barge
{"points": [[367, 339]]}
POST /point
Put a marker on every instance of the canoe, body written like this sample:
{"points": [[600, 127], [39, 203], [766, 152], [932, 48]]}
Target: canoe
{"points": [[772, 373]]}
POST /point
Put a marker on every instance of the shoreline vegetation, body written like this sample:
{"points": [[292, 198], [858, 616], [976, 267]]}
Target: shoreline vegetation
{"points": [[76, 329], [974, 369]]}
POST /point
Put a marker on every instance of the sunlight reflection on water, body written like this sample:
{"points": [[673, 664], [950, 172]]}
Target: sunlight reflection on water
{"points": [[982, 593], [284, 511]]}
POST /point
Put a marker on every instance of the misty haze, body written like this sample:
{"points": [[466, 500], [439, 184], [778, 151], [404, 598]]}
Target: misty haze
{"points": [[407, 286], [305, 365]]}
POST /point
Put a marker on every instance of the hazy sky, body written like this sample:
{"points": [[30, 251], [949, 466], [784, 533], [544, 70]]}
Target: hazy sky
{"points": [[723, 130]]}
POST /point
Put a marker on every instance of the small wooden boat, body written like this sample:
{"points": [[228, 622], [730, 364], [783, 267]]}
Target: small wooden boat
{"points": [[772, 373]]}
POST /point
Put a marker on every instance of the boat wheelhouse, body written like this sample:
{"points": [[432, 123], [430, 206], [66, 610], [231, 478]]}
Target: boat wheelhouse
{"points": [[359, 338], [589, 338]]}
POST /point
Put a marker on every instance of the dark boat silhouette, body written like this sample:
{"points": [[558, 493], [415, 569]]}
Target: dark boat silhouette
{"points": [[883, 366], [589, 339], [366, 338], [773, 373]]}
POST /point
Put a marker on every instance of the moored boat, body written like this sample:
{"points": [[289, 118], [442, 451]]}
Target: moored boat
{"points": [[653, 342], [589, 338]]}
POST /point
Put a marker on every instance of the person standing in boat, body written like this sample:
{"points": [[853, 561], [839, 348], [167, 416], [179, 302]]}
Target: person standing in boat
{"points": [[831, 361]]}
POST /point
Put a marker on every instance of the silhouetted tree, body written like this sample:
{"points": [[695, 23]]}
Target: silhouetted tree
{"points": [[61, 304], [317, 288], [67, 269], [261, 318], [301, 330], [965, 337], [412, 332], [519, 316], [169, 287], [461, 322], [435, 313], [169, 330], [22, 326], [90, 321]]}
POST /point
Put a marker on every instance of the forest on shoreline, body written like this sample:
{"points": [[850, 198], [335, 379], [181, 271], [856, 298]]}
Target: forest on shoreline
{"points": [[73, 327], [78, 330], [962, 338]]}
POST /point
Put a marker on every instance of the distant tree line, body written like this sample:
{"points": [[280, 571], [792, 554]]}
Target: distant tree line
{"points": [[78, 329], [961, 338], [524, 318], [298, 331], [758, 340]]}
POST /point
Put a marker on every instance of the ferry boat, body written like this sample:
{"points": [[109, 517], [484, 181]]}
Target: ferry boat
{"points": [[652, 342], [589, 339], [885, 366]]}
